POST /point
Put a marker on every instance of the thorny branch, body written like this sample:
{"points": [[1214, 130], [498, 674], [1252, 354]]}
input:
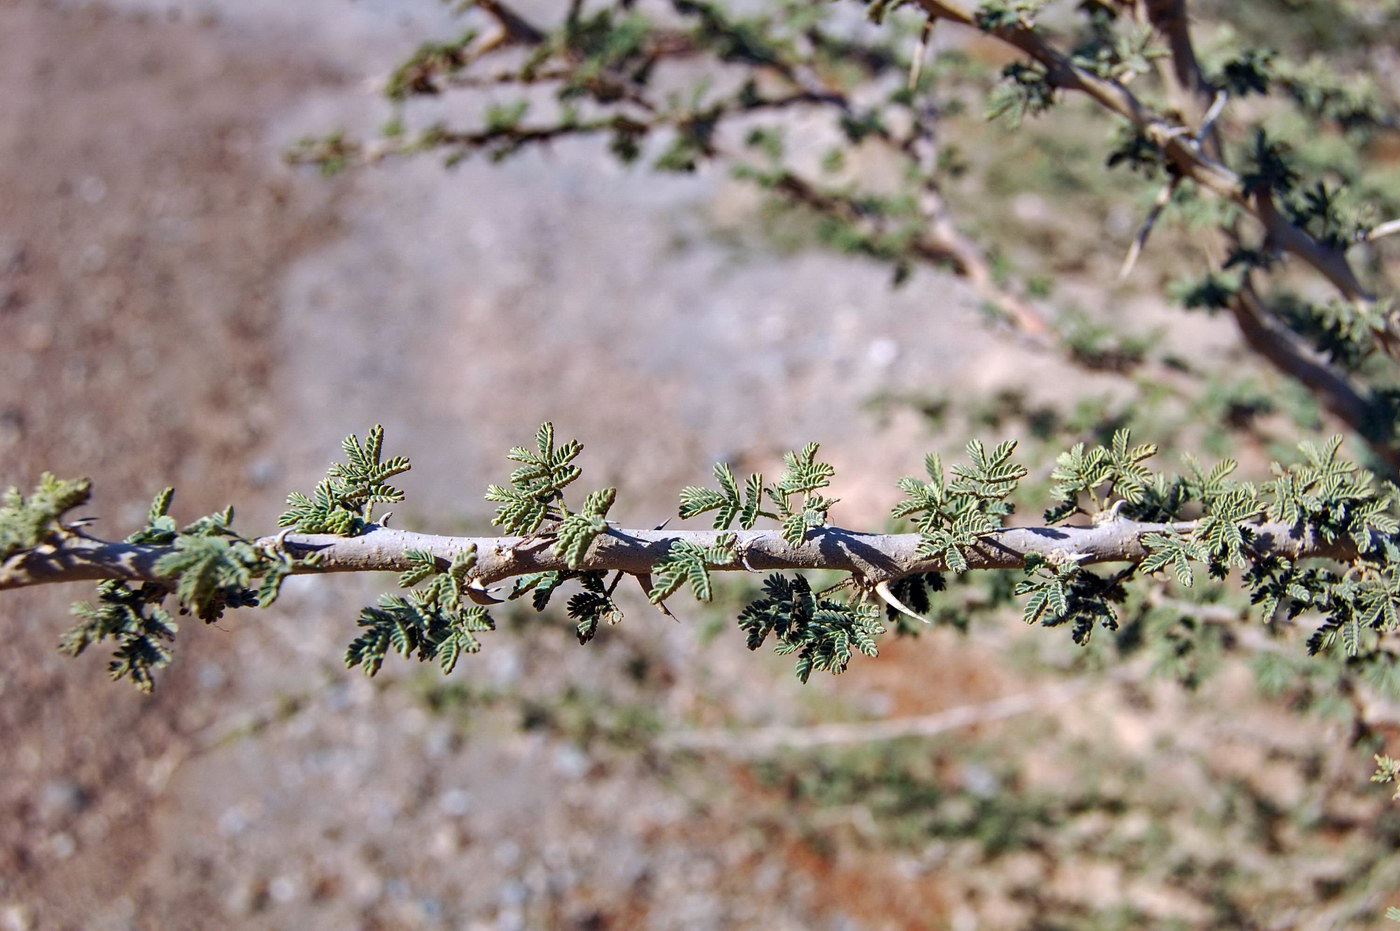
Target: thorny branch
{"points": [[873, 557], [1185, 155]]}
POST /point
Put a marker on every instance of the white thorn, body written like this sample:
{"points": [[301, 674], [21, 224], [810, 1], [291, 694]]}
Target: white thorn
{"points": [[1388, 228], [279, 543], [1115, 512], [1208, 123], [481, 595], [883, 590], [920, 52]]}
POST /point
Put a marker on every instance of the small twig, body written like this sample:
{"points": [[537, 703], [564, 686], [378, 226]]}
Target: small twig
{"points": [[1164, 196], [759, 741]]}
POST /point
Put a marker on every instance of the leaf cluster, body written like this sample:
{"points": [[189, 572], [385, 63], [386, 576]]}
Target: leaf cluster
{"points": [[1067, 594], [950, 516], [999, 15], [211, 568], [1096, 474], [427, 70], [343, 502], [688, 563], [27, 522], [824, 634], [794, 500], [435, 621], [1332, 497], [134, 618], [536, 496]]}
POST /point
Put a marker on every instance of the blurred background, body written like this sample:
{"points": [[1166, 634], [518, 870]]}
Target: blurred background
{"points": [[179, 306]]}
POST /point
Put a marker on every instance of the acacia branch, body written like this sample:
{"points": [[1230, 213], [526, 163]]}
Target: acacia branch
{"points": [[874, 557], [1176, 143], [1337, 394], [1181, 73]]}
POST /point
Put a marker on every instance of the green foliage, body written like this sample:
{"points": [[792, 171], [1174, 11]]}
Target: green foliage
{"points": [[427, 70], [688, 563], [412, 626], [536, 496], [1171, 550], [825, 634], [1117, 54], [210, 575], [160, 529], [951, 516], [1116, 469], [1067, 594], [592, 605], [134, 619], [1025, 90], [540, 586], [25, 523], [343, 502], [1248, 73], [1334, 498], [576, 532], [1269, 166], [998, 15], [1388, 771], [1343, 331], [1220, 531], [1139, 153], [211, 568], [727, 503], [537, 485], [796, 504], [433, 622]]}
